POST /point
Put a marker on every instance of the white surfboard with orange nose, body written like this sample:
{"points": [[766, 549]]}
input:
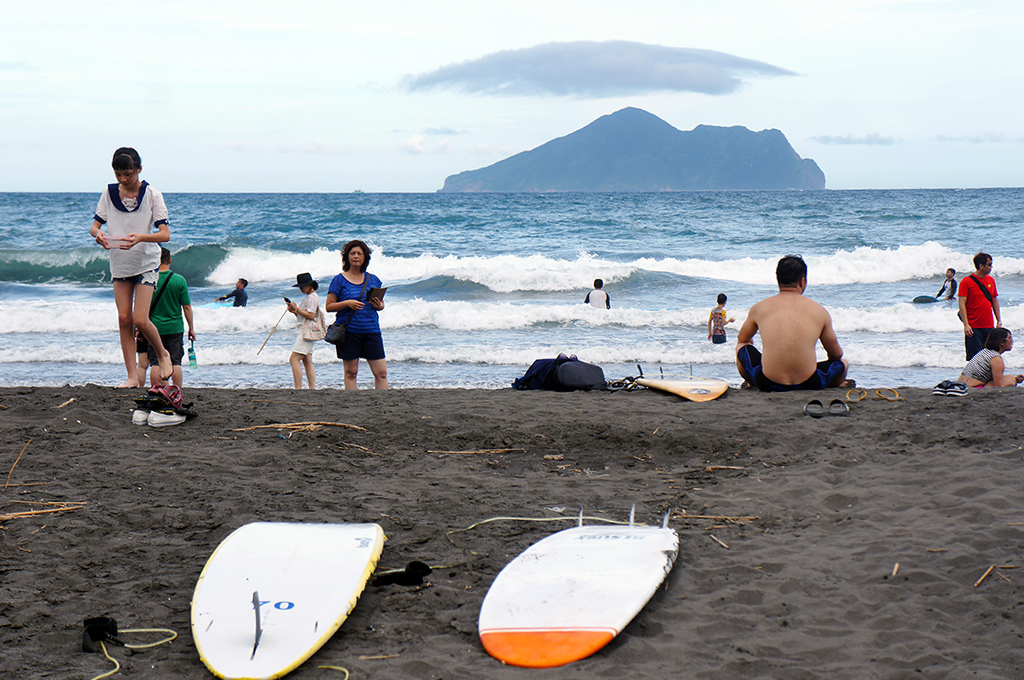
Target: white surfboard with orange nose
{"points": [[570, 594]]}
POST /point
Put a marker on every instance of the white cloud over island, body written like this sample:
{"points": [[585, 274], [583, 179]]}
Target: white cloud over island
{"points": [[594, 70], [873, 139]]}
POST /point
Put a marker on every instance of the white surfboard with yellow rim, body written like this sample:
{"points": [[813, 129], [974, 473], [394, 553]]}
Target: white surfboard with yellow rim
{"points": [[273, 593], [694, 389], [570, 594]]}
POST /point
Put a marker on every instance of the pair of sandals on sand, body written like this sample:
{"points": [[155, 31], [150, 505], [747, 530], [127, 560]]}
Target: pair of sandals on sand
{"points": [[839, 407], [815, 409]]}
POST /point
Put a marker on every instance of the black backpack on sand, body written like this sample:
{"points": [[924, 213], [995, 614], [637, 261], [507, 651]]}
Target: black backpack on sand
{"points": [[561, 375]]}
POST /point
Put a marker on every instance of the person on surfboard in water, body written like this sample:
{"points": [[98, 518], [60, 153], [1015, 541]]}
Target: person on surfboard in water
{"points": [[948, 290]]}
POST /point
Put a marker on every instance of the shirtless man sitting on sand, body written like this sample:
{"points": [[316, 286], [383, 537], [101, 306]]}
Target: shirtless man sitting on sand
{"points": [[790, 326]]}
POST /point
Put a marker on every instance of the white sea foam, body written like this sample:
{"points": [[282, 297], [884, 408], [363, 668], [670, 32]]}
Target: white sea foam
{"points": [[928, 351], [508, 273], [860, 265], [500, 273], [67, 316], [54, 317]]}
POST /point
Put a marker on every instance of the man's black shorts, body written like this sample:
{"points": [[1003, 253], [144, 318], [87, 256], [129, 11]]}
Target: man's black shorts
{"points": [[173, 343]]}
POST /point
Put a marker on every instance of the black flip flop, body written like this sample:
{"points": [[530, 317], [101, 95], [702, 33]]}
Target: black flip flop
{"points": [[838, 407], [814, 408]]}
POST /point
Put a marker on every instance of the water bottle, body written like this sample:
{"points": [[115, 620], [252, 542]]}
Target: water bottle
{"points": [[192, 355]]}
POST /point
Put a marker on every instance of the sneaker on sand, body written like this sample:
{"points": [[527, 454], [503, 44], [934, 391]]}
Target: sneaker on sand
{"points": [[942, 387], [140, 417], [956, 389], [157, 419]]}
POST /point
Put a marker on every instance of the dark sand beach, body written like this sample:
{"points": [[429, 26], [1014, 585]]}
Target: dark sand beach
{"points": [[801, 582]]}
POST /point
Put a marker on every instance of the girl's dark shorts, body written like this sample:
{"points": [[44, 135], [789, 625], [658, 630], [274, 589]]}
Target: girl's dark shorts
{"points": [[369, 346]]}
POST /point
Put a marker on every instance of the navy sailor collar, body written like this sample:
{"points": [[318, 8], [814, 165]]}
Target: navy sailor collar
{"points": [[115, 196]]}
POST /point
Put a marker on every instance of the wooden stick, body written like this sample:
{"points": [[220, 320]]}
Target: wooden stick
{"points": [[379, 657], [16, 463], [29, 513], [271, 332], [72, 399], [984, 576], [285, 426], [718, 541], [350, 445], [895, 569], [712, 468], [483, 451]]}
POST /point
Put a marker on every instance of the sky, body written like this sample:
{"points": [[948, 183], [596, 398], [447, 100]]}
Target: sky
{"points": [[394, 96]]}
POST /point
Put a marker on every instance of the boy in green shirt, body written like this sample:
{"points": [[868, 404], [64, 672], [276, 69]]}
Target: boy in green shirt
{"points": [[170, 302]]}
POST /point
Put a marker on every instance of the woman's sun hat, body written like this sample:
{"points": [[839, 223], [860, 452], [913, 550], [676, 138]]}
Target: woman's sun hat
{"points": [[304, 279]]}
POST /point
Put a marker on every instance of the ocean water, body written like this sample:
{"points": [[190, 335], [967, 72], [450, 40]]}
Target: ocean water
{"points": [[481, 285]]}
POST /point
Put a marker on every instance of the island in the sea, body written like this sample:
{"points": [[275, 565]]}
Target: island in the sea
{"points": [[633, 150]]}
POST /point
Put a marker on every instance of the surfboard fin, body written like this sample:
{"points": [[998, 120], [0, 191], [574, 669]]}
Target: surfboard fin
{"points": [[259, 628], [664, 520], [632, 513], [581, 516]]}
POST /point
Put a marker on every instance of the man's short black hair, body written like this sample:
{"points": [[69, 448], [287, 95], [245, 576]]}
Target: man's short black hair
{"points": [[981, 259], [790, 270], [244, 283], [165, 255]]}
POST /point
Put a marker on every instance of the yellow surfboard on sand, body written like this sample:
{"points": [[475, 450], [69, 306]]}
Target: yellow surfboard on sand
{"points": [[694, 389]]}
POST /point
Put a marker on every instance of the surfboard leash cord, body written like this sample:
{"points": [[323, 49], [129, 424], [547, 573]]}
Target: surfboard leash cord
{"points": [[117, 666], [627, 384]]}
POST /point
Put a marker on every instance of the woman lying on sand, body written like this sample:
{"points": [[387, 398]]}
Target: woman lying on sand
{"points": [[986, 368]]}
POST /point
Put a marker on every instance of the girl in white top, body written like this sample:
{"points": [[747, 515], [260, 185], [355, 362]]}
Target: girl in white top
{"points": [[986, 368], [311, 329], [135, 218]]}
